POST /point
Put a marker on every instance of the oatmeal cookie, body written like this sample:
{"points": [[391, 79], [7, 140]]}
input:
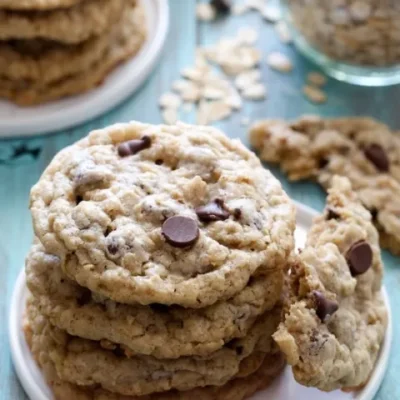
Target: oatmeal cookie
{"points": [[34, 5], [72, 25], [162, 214], [157, 330], [239, 388], [335, 319], [114, 368], [362, 149]]}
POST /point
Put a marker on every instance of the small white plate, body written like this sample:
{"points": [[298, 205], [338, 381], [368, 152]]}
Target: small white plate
{"points": [[121, 83], [283, 388]]}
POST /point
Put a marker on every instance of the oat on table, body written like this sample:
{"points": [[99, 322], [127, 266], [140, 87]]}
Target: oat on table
{"points": [[168, 214], [335, 319], [367, 152]]}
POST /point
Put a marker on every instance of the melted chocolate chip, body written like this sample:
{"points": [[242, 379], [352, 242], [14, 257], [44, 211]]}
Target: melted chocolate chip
{"points": [[78, 199], [332, 214], [213, 211], [359, 257], [322, 163], [180, 231], [324, 307], [159, 161], [132, 147], [221, 6], [374, 213], [377, 155]]}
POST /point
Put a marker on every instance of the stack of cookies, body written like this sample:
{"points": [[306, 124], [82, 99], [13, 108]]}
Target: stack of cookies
{"points": [[158, 266], [55, 48]]}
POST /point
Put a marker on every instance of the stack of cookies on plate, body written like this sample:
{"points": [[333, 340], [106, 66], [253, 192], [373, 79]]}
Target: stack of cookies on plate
{"points": [[158, 266], [55, 48]]}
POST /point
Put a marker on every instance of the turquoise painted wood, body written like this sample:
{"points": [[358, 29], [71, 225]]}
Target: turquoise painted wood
{"points": [[22, 161]]}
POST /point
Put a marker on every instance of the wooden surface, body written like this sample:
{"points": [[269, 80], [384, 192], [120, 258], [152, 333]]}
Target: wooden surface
{"points": [[22, 161]]}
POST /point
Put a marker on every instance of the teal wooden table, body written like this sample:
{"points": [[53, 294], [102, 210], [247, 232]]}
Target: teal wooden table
{"points": [[22, 161]]}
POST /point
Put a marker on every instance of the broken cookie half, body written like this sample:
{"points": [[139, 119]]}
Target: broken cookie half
{"points": [[335, 317]]}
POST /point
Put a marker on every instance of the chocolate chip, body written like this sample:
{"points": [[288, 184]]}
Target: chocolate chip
{"points": [[159, 161], [322, 163], [112, 248], [332, 214], [221, 6], [377, 155], [84, 298], [237, 213], [213, 211], [132, 147], [324, 307], [359, 257], [374, 213], [78, 199], [180, 231]]}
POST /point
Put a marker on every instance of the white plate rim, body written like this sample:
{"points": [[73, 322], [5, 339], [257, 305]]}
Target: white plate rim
{"points": [[34, 391], [117, 87]]}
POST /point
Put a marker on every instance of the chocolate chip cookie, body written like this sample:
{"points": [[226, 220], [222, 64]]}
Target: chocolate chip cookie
{"points": [[34, 5], [239, 388], [66, 25], [335, 319], [365, 151], [38, 71], [157, 330], [162, 214], [114, 368]]}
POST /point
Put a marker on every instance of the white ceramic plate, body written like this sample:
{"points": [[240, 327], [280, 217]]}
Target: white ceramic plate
{"points": [[283, 388], [121, 83]]}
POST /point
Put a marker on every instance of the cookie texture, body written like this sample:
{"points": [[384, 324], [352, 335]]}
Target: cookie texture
{"points": [[87, 363], [237, 389], [365, 151], [34, 5], [72, 25], [335, 319], [107, 199], [67, 70], [158, 330]]}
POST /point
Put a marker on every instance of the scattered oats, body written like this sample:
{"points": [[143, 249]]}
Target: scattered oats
{"points": [[256, 91], [196, 74], [169, 100], [170, 115], [240, 9], [212, 93], [234, 100], [245, 121], [316, 79], [283, 32], [191, 93], [314, 94], [247, 35], [205, 12], [180, 85], [200, 60], [247, 78], [212, 111], [279, 62], [187, 107], [271, 13]]}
